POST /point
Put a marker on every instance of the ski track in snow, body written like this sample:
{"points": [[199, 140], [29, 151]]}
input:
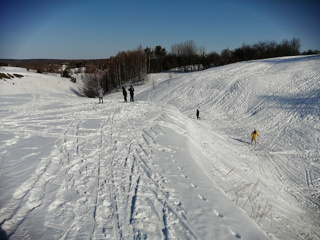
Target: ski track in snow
{"points": [[279, 97], [145, 170], [102, 174]]}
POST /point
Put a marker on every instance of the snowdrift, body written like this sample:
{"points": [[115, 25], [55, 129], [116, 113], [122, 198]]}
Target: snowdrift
{"points": [[30, 82], [71, 168]]}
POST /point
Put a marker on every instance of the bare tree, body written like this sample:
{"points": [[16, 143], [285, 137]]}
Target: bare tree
{"points": [[149, 52], [295, 46], [91, 84]]}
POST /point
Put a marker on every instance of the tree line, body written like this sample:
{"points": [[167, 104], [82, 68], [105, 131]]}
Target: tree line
{"points": [[188, 54], [134, 65]]}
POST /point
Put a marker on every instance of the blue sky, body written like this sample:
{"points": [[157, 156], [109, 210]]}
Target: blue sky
{"points": [[68, 29]]}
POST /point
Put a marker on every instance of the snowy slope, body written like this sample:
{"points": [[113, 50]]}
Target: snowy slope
{"points": [[74, 169], [281, 99], [34, 83]]}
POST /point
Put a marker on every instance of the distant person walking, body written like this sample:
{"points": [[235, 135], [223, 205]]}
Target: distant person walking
{"points": [[254, 136], [131, 90], [124, 92], [100, 94], [198, 113]]}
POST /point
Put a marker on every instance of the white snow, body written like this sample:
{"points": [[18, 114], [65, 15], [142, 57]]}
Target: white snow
{"points": [[71, 168]]}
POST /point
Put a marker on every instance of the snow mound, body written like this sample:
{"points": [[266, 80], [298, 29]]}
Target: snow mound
{"points": [[29, 82]]}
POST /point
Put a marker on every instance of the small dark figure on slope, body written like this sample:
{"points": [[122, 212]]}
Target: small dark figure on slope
{"points": [[131, 90], [198, 113], [124, 92]]}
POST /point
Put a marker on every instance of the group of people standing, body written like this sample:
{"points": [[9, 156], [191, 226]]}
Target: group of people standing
{"points": [[124, 92]]}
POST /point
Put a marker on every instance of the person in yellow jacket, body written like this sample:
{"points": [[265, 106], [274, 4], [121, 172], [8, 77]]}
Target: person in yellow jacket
{"points": [[254, 136]]}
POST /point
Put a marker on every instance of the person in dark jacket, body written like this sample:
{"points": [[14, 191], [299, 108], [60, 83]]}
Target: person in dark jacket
{"points": [[198, 117], [124, 92], [131, 90]]}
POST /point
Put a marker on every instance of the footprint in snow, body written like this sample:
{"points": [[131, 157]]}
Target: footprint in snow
{"points": [[237, 235], [218, 214], [202, 197], [184, 176]]}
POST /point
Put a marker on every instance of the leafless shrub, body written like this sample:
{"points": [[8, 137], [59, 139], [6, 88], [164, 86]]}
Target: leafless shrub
{"points": [[90, 85], [247, 196]]}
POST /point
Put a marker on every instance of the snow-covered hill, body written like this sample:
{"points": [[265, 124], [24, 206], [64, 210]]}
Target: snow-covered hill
{"points": [[71, 168], [29, 82]]}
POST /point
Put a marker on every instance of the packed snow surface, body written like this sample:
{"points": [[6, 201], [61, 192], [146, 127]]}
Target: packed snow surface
{"points": [[71, 168]]}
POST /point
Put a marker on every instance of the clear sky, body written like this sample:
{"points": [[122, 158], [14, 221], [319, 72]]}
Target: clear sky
{"points": [[77, 29]]}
